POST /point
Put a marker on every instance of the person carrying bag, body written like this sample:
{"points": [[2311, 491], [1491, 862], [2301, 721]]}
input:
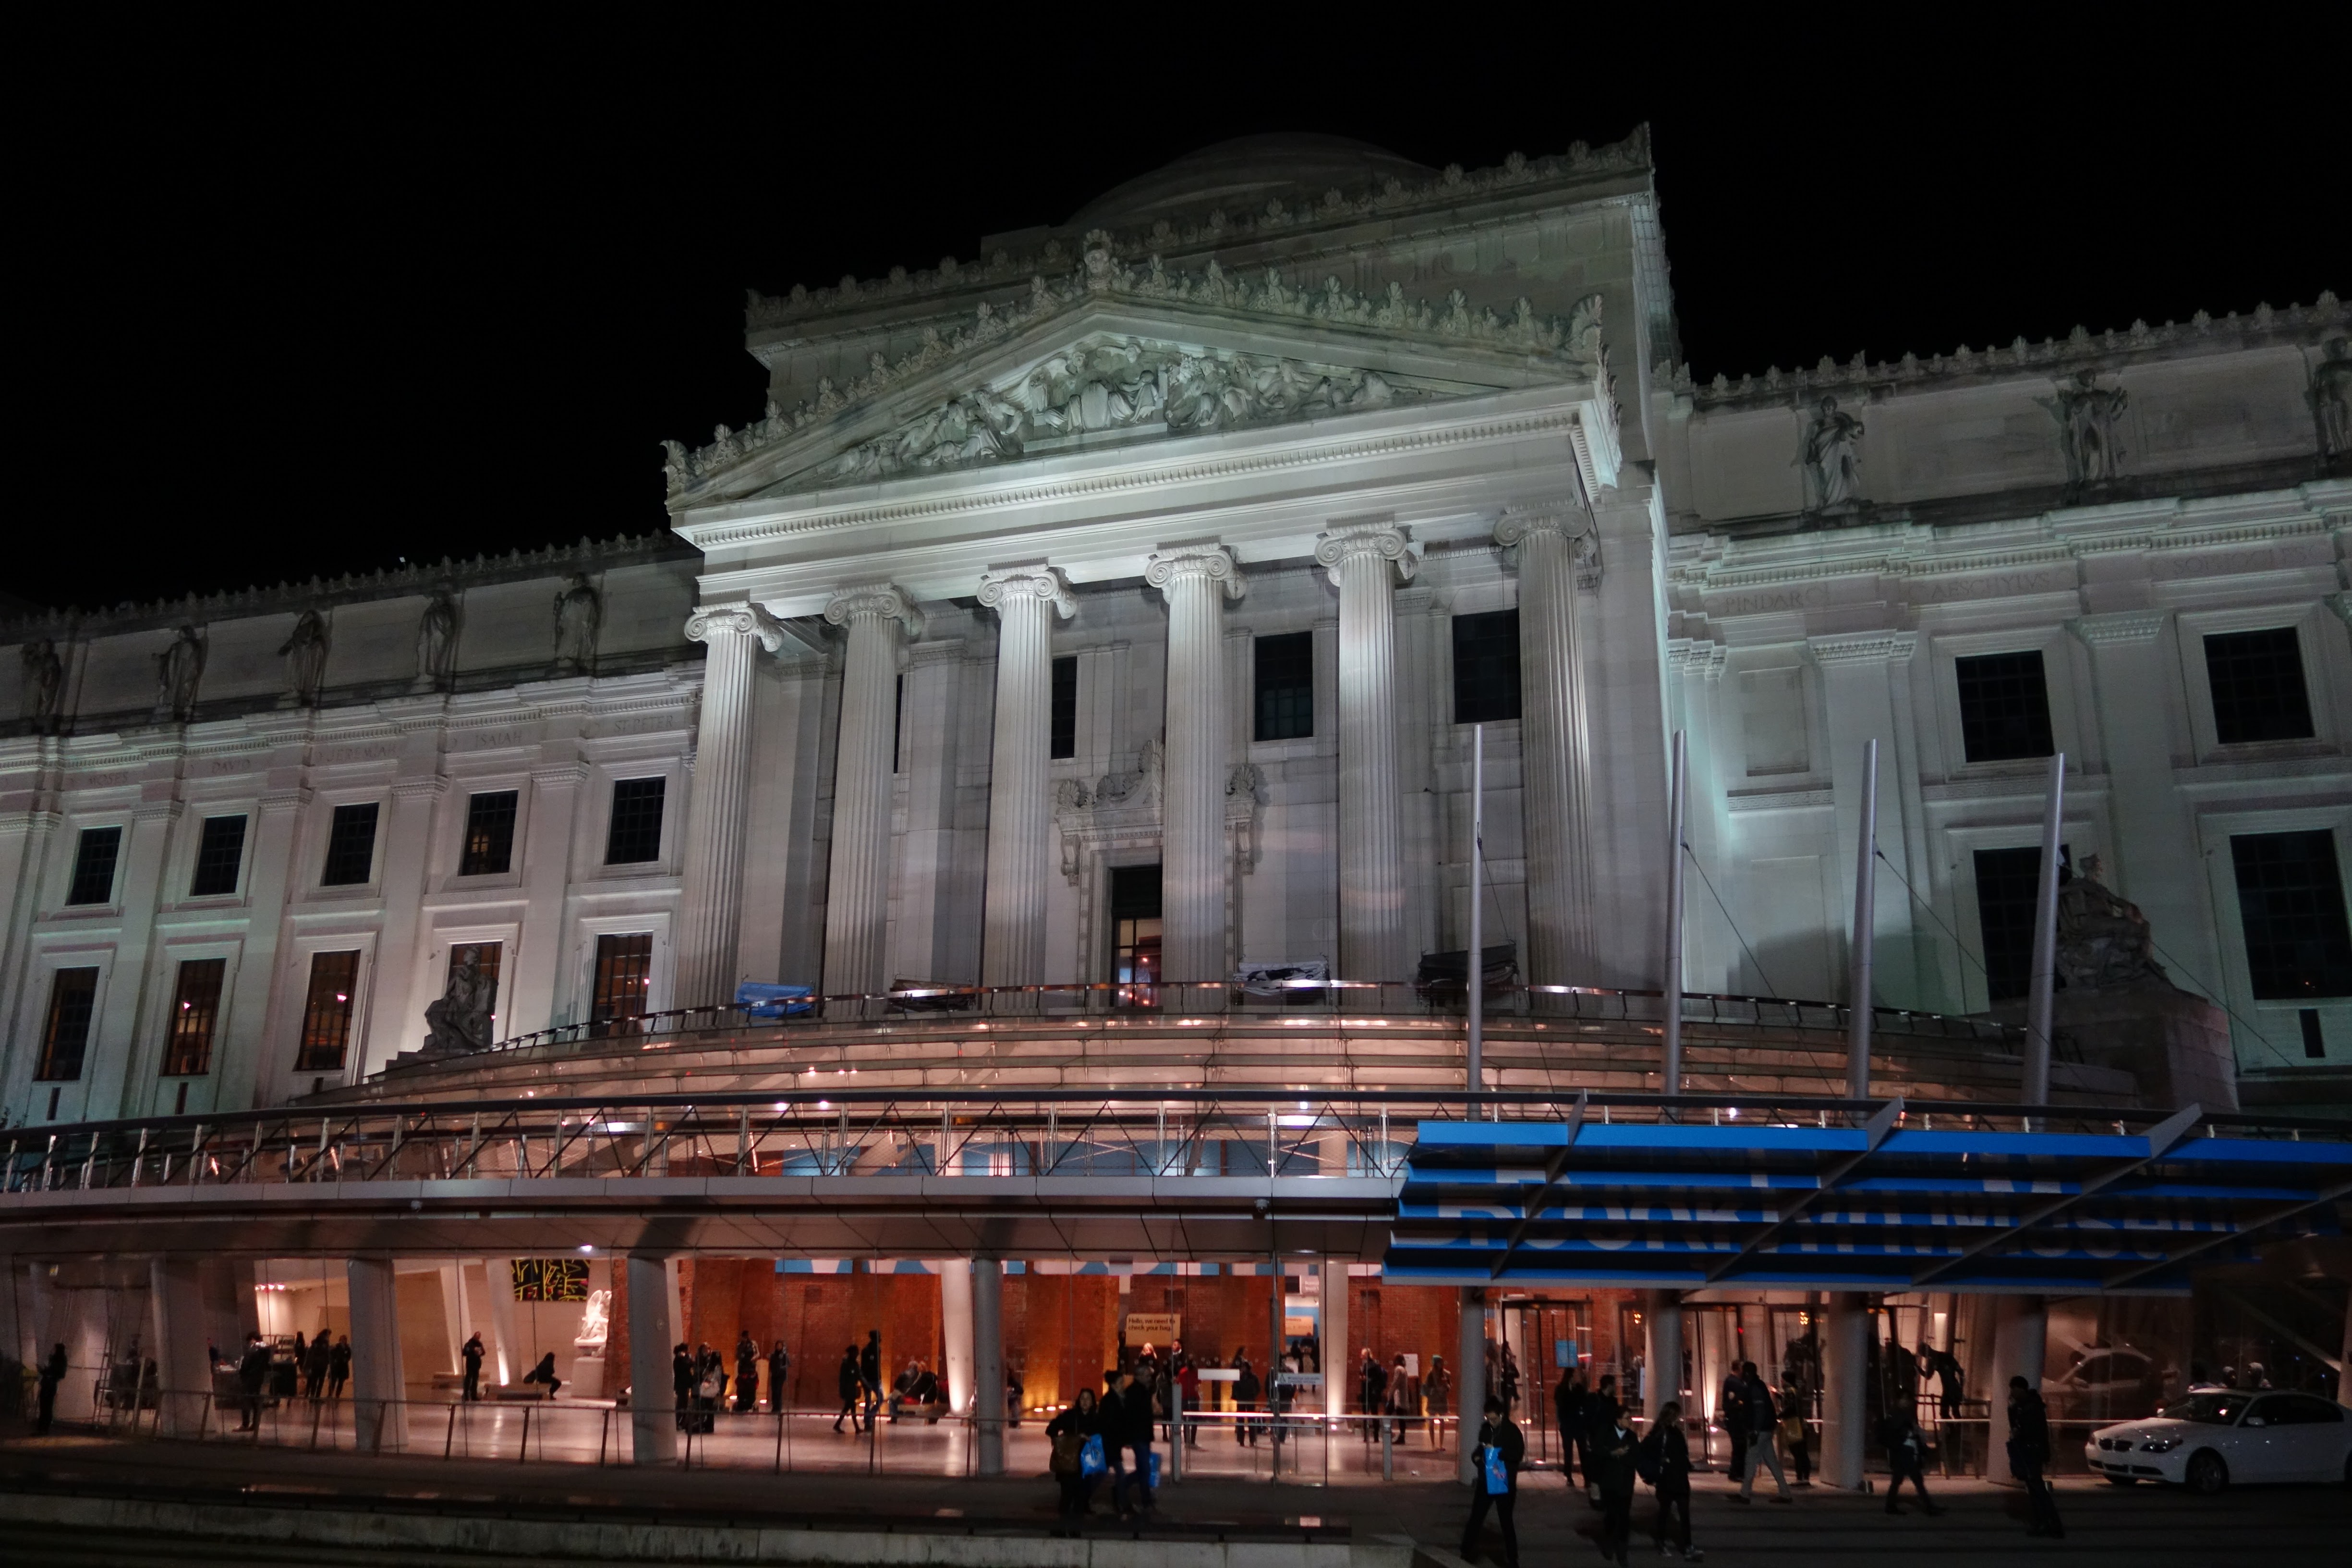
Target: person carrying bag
{"points": [[1495, 1481], [1073, 1436]]}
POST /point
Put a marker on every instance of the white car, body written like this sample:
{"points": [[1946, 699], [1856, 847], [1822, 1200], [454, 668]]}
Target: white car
{"points": [[2210, 1439]]}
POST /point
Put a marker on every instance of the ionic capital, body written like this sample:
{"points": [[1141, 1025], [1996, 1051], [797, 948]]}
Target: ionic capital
{"points": [[1186, 562], [1378, 537], [1569, 520], [879, 600], [1000, 583], [749, 618]]}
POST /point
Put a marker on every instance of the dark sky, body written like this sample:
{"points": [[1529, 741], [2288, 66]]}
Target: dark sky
{"points": [[305, 303]]}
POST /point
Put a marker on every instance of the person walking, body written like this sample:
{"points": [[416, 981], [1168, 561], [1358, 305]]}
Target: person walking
{"points": [[53, 1372], [1111, 1423], [1945, 1367], [1066, 1435], [1247, 1391], [1371, 1391], [1135, 1414], [869, 1374], [339, 1367], [1398, 1409], [1568, 1412], [2028, 1454], [1907, 1455], [747, 1373], [1794, 1402], [1435, 1389], [1615, 1459], [1599, 1411], [852, 1388], [780, 1365], [1763, 1420], [1731, 1412], [1495, 1481], [473, 1358], [1664, 1460], [682, 1375], [252, 1373], [315, 1372]]}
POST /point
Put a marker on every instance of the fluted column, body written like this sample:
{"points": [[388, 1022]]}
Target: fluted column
{"points": [[1552, 768], [1020, 814], [857, 885], [713, 902], [1371, 812], [1196, 579]]}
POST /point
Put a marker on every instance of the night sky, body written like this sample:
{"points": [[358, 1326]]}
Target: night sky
{"points": [[304, 304]]}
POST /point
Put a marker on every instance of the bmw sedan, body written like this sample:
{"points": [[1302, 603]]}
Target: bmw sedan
{"points": [[2208, 1440]]}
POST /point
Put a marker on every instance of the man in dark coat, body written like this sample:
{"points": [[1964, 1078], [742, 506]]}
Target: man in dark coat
{"points": [[1614, 1458], [1763, 1427], [747, 1373], [1136, 1415], [780, 1364], [1247, 1391], [1372, 1388], [339, 1367], [473, 1354], [682, 1379], [869, 1373], [2028, 1454], [1568, 1410], [1907, 1453], [53, 1372], [1501, 1435], [1599, 1411], [252, 1374], [1731, 1410], [852, 1387], [1664, 1458], [1110, 1424]]}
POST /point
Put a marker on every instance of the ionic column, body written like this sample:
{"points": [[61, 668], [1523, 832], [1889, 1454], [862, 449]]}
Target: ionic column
{"points": [[713, 904], [1553, 756], [1192, 831], [1371, 812], [857, 884], [1020, 812]]}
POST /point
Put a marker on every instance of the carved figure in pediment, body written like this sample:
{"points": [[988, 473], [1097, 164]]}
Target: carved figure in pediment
{"points": [[2102, 939], [1834, 455], [178, 670], [436, 640], [460, 1020], [305, 653], [45, 676], [2086, 414], [2331, 399], [578, 613]]}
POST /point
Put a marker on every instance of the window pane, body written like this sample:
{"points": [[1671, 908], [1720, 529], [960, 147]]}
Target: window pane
{"points": [[489, 834], [636, 832], [94, 858], [2004, 707], [1066, 708], [2005, 886], [351, 847], [2258, 691], [195, 1008], [2290, 899], [219, 854], [327, 1012], [73, 995], [1286, 685], [1487, 668], [623, 973]]}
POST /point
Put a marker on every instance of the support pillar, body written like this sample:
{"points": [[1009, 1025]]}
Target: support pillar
{"points": [[1192, 836], [858, 880], [1470, 1383], [506, 1350], [1555, 768], [378, 1386], [1845, 1377], [956, 1328], [1020, 808], [184, 1372], [1337, 1358], [16, 1342], [2020, 1334], [988, 1363], [653, 1405], [1662, 1352], [713, 907], [1364, 560]]}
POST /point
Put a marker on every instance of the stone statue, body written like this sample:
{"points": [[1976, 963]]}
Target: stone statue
{"points": [[178, 669], [305, 653], [1833, 454], [436, 639], [579, 612], [2331, 399], [460, 1020], [2102, 940], [2087, 413], [44, 682]]}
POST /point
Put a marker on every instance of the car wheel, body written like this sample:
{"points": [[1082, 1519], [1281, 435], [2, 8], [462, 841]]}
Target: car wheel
{"points": [[2206, 1473], [2123, 1481]]}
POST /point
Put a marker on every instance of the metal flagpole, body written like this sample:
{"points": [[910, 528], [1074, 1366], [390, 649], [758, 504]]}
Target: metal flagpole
{"points": [[1857, 1049], [2045, 942], [1674, 977], [1475, 974]]}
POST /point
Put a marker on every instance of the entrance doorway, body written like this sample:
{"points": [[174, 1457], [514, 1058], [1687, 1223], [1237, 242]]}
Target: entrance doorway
{"points": [[1135, 935], [1545, 1337]]}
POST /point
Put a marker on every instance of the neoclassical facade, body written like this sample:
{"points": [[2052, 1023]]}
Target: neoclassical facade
{"points": [[1126, 601]]}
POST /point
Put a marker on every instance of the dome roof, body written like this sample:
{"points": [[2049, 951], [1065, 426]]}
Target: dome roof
{"points": [[1243, 173]]}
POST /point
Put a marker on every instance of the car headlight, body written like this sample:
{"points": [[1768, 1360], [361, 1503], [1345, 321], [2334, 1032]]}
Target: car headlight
{"points": [[2159, 1444]]}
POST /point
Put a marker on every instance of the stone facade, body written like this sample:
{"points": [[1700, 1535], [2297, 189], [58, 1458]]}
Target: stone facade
{"points": [[1376, 400]]}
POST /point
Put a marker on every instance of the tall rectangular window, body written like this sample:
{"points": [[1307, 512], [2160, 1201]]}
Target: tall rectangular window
{"points": [[220, 853], [489, 833], [636, 832], [2257, 683], [624, 965], [327, 1012], [1286, 685], [2004, 707], [897, 725], [351, 847], [2007, 880], [2291, 899], [1064, 708], [73, 996], [94, 854], [1487, 668], [1135, 935], [196, 1010]]}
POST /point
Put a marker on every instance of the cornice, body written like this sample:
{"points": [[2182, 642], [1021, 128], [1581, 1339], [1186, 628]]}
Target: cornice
{"points": [[420, 789], [1867, 647], [2122, 628], [560, 775]]}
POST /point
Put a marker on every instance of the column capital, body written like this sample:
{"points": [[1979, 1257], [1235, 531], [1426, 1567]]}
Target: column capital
{"points": [[1172, 562], [999, 584], [1568, 519], [747, 617], [883, 601], [1377, 536]]}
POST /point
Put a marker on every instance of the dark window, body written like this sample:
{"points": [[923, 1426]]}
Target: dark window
{"points": [[195, 1008], [624, 965], [1286, 685], [73, 995], [1487, 668], [2314, 1043], [1135, 934], [1066, 708], [2004, 707], [489, 958], [489, 833], [327, 1012], [2007, 880], [219, 853], [2291, 898], [94, 858], [897, 717], [2258, 692], [351, 847], [636, 832]]}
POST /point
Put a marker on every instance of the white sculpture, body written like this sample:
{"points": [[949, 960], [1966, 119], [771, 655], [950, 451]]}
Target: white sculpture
{"points": [[579, 612], [436, 640], [178, 670], [1832, 456], [305, 653]]}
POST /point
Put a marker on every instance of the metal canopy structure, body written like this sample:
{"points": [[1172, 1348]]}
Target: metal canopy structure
{"points": [[1885, 1201]]}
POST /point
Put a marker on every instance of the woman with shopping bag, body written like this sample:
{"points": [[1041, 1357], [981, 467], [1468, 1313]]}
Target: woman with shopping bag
{"points": [[1076, 1441]]}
